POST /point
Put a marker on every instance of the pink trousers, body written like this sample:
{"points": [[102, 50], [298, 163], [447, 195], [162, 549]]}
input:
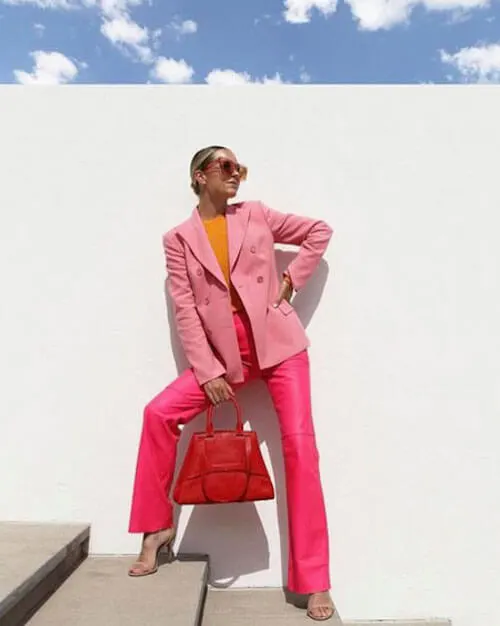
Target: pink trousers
{"points": [[184, 399]]}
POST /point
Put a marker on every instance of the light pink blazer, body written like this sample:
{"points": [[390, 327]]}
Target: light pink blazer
{"points": [[201, 298]]}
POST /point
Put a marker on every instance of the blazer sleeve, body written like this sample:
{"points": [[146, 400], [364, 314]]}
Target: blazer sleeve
{"points": [[189, 327], [312, 235]]}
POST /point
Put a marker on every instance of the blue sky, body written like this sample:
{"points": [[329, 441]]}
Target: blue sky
{"points": [[259, 41]]}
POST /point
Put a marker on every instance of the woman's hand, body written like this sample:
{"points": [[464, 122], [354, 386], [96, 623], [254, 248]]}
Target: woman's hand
{"points": [[286, 291], [218, 390]]}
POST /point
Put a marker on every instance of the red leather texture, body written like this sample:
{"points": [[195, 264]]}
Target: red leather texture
{"points": [[223, 466]]}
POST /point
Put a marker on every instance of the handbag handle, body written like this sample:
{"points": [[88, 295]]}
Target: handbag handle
{"points": [[210, 412]]}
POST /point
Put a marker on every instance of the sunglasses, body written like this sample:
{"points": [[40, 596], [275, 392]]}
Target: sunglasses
{"points": [[229, 167]]}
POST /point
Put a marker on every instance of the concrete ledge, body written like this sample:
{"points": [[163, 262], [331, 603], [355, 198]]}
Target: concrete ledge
{"points": [[100, 593], [36, 559], [200, 558], [399, 622], [256, 607]]}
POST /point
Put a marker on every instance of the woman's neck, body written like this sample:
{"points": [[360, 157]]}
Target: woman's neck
{"points": [[209, 207]]}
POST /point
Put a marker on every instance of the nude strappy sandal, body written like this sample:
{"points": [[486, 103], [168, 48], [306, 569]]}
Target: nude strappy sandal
{"points": [[321, 605], [139, 568]]}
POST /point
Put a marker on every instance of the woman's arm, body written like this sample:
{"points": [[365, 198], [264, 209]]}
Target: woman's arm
{"points": [[312, 235], [198, 352]]}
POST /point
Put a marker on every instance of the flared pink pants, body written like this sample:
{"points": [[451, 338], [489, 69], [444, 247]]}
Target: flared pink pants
{"points": [[184, 399]]}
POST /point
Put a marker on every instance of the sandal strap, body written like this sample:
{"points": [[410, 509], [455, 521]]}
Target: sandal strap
{"points": [[312, 609], [141, 566]]}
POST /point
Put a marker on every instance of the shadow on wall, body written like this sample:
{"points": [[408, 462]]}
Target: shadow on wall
{"points": [[233, 534]]}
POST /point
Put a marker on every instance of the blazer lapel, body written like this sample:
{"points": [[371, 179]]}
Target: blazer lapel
{"points": [[195, 235], [237, 219]]}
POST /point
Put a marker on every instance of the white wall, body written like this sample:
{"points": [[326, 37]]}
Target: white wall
{"points": [[403, 317]]}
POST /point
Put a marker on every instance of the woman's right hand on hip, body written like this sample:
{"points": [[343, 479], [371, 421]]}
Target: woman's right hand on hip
{"points": [[218, 390]]}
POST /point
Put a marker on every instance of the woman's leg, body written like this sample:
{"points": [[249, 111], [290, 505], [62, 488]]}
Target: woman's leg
{"points": [[177, 404], [308, 566], [152, 510]]}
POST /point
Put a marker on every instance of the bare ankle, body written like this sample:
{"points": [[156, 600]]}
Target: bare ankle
{"points": [[158, 532]]}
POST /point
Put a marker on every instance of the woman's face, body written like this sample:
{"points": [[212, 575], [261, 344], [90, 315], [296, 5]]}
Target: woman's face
{"points": [[222, 176]]}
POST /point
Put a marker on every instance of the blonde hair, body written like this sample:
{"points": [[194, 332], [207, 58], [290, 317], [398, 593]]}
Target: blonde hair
{"points": [[200, 160]]}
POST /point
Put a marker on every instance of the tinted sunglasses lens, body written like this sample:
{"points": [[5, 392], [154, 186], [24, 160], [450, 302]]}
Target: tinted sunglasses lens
{"points": [[227, 166]]}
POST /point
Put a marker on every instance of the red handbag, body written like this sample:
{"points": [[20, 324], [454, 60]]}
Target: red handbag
{"points": [[223, 466]]}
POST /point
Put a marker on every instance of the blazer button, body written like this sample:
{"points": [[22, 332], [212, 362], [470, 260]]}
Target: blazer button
{"points": [[199, 272], [207, 301], [253, 249], [260, 279]]}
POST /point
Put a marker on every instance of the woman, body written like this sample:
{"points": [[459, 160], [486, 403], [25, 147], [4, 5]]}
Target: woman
{"points": [[235, 323]]}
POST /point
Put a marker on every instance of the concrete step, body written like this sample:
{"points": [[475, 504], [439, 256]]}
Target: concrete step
{"points": [[259, 607], [100, 593], [35, 559]]}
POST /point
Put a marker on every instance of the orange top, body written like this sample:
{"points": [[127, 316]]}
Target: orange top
{"points": [[216, 229]]}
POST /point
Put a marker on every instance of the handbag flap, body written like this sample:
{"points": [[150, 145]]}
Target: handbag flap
{"points": [[226, 466], [226, 451]]}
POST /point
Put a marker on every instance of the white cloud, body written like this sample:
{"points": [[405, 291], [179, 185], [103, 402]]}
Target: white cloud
{"points": [[375, 14], [117, 24], [117, 8], [270, 80], [122, 31], [479, 64], [299, 11], [155, 38], [459, 16], [172, 71], [305, 77], [126, 34], [230, 77], [52, 4], [51, 68], [379, 14], [187, 27], [452, 5], [227, 77], [39, 28]]}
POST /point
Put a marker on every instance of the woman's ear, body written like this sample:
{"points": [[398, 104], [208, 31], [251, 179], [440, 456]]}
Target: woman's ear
{"points": [[199, 177]]}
